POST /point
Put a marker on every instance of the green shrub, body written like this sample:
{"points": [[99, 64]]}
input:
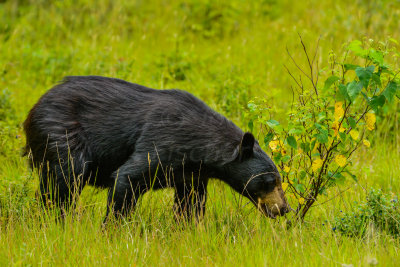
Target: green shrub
{"points": [[380, 211], [328, 122]]}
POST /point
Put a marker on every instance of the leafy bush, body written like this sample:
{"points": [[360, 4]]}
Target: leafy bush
{"points": [[327, 123], [380, 211]]}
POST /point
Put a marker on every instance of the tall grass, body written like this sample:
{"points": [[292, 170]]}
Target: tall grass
{"points": [[226, 53]]}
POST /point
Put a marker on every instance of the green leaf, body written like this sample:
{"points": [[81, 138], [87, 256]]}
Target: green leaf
{"points": [[305, 147], [355, 46], [376, 56], [331, 80], [342, 136], [390, 91], [322, 191], [365, 96], [339, 178], [342, 93], [277, 158], [319, 127], [278, 129], [321, 117], [285, 159], [376, 78], [268, 138], [377, 101], [297, 130], [313, 144], [365, 74], [370, 68], [302, 174], [342, 145], [306, 117], [350, 67], [272, 123], [252, 106], [352, 122], [291, 141], [353, 89], [322, 136], [352, 176], [300, 187]]}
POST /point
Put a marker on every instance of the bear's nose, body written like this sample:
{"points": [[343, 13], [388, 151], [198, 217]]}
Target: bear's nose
{"points": [[284, 209], [280, 211]]}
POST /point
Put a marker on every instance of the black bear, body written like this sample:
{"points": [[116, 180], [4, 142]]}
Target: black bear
{"points": [[129, 138]]}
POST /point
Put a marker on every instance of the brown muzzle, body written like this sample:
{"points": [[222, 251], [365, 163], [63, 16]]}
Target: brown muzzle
{"points": [[273, 203]]}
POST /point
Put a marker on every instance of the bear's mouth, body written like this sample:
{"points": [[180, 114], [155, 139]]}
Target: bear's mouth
{"points": [[265, 210]]}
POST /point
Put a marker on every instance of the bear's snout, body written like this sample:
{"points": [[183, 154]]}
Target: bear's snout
{"points": [[274, 204]]}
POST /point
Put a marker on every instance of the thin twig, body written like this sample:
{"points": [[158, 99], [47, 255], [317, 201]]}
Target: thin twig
{"points": [[338, 194], [294, 62]]}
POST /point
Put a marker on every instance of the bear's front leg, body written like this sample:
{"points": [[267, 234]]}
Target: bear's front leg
{"points": [[122, 198], [127, 189]]}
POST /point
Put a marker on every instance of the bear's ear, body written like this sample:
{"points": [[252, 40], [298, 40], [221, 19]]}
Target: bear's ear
{"points": [[246, 146]]}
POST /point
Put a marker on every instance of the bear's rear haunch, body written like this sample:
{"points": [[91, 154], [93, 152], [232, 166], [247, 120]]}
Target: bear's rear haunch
{"points": [[129, 138]]}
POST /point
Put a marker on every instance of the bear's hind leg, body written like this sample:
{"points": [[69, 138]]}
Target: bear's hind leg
{"points": [[61, 184]]}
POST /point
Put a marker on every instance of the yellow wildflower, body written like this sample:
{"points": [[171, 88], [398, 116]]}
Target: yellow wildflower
{"points": [[284, 186], [301, 201], [314, 149], [339, 111], [354, 134], [317, 164], [366, 143], [340, 160], [274, 145], [286, 169], [370, 120]]}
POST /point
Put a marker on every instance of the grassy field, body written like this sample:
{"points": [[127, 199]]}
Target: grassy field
{"points": [[226, 53]]}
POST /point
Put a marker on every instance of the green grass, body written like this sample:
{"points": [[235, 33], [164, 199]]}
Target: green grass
{"points": [[226, 53]]}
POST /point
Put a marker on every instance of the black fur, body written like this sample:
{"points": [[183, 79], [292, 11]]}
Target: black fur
{"points": [[129, 138]]}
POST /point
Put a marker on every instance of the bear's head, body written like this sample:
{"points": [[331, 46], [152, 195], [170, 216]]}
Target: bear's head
{"points": [[254, 175]]}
